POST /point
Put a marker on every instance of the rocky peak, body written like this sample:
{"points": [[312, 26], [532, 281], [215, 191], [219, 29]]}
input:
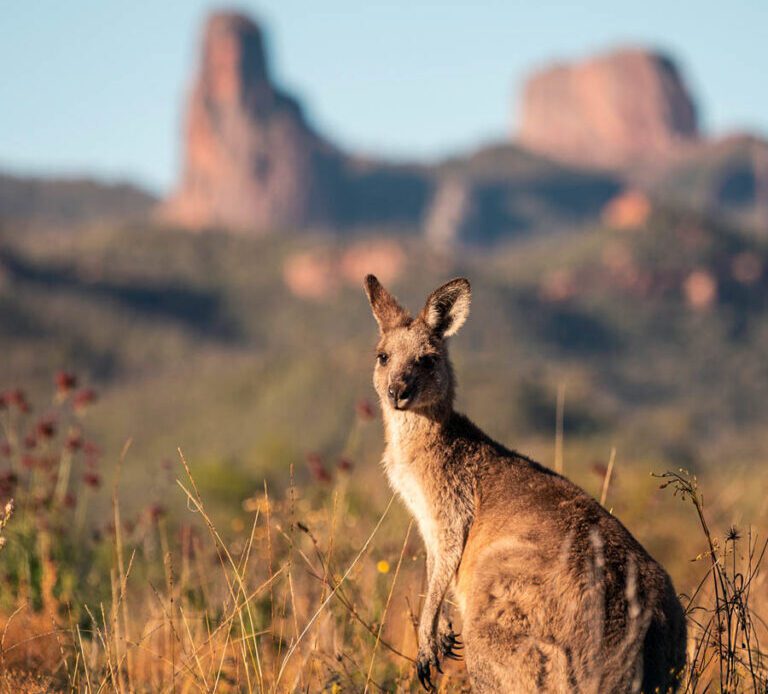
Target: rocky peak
{"points": [[251, 162], [618, 108]]}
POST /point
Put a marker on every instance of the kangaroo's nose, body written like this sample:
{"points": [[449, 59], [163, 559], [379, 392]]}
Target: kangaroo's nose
{"points": [[399, 393]]}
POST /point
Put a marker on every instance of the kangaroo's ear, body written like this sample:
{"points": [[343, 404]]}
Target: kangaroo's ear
{"points": [[387, 312], [448, 307]]}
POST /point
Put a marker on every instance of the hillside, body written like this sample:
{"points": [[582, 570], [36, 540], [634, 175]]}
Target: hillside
{"points": [[658, 335], [35, 202], [726, 178]]}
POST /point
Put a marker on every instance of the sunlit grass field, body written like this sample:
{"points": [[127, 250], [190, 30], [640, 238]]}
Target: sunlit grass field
{"points": [[313, 586]]}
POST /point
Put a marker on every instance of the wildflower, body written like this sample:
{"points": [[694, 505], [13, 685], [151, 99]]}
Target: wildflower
{"points": [[8, 482], [316, 467], [733, 534], [18, 398], [345, 464], [74, 441], [46, 428], [365, 410], [383, 566], [600, 469], [92, 479], [82, 398], [65, 382]]}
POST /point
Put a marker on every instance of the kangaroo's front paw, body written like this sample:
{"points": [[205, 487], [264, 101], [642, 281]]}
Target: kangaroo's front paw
{"points": [[449, 642], [426, 659]]}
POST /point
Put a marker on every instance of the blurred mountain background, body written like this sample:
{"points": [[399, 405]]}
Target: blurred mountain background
{"points": [[618, 255]]}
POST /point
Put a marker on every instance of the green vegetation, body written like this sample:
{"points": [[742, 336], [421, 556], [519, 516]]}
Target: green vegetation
{"points": [[196, 340]]}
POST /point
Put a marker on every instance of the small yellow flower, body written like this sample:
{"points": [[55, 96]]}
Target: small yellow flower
{"points": [[383, 566]]}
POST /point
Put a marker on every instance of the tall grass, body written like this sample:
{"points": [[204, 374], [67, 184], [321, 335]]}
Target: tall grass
{"points": [[318, 591], [724, 622]]}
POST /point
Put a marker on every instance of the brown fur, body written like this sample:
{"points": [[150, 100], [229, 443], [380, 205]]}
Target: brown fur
{"points": [[555, 594]]}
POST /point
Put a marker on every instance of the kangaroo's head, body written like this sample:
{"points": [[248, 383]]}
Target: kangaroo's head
{"points": [[412, 369]]}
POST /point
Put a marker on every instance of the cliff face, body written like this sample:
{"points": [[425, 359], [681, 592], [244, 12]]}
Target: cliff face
{"points": [[251, 162], [623, 107]]}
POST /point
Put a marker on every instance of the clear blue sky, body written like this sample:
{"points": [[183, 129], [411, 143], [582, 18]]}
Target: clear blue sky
{"points": [[96, 86]]}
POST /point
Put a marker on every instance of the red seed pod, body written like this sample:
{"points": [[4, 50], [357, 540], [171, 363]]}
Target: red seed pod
{"points": [[599, 469], [345, 464], [8, 482], [83, 397], [70, 500], [46, 428], [65, 381], [74, 441], [365, 410], [317, 468], [92, 479], [18, 398]]}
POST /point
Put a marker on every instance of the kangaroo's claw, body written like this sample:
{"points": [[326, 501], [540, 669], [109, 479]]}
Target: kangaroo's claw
{"points": [[449, 644], [422, 669]]}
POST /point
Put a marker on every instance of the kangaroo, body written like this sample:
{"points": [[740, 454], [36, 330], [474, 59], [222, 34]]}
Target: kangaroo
{"points": [[554, 593]]}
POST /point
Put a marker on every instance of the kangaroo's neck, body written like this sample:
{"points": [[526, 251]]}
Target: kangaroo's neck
{"points": [[413, 436]]}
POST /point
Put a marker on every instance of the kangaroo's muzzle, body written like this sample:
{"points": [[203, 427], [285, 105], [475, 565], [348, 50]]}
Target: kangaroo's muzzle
{"points": [[401, 393]]}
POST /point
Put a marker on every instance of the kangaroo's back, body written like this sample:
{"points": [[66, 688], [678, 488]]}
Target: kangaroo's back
{"points": [[556, 594]]}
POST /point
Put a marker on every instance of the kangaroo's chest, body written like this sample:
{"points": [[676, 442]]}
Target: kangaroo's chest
{"points": [[408, 485]]}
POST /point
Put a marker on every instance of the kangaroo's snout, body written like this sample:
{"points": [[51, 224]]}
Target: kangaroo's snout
{"points": [[400, 392]]}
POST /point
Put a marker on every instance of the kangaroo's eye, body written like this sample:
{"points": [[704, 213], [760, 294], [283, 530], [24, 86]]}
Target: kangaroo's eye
{"points": [[383, 358]]}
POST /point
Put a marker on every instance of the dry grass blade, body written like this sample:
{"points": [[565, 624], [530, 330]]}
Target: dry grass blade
{"points": [[386, 605], [332, 593], [607, 478]]}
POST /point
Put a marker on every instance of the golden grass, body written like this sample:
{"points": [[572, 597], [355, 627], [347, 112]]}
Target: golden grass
{"points": [[317, 590]]}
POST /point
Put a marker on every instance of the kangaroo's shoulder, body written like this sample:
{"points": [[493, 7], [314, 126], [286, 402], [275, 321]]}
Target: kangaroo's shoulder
{"points": [[475, 441]]}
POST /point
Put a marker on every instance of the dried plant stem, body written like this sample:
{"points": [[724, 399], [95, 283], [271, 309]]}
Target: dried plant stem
{"points": [[386, 606], [559, 416], [362, 551], [607, 478]]}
